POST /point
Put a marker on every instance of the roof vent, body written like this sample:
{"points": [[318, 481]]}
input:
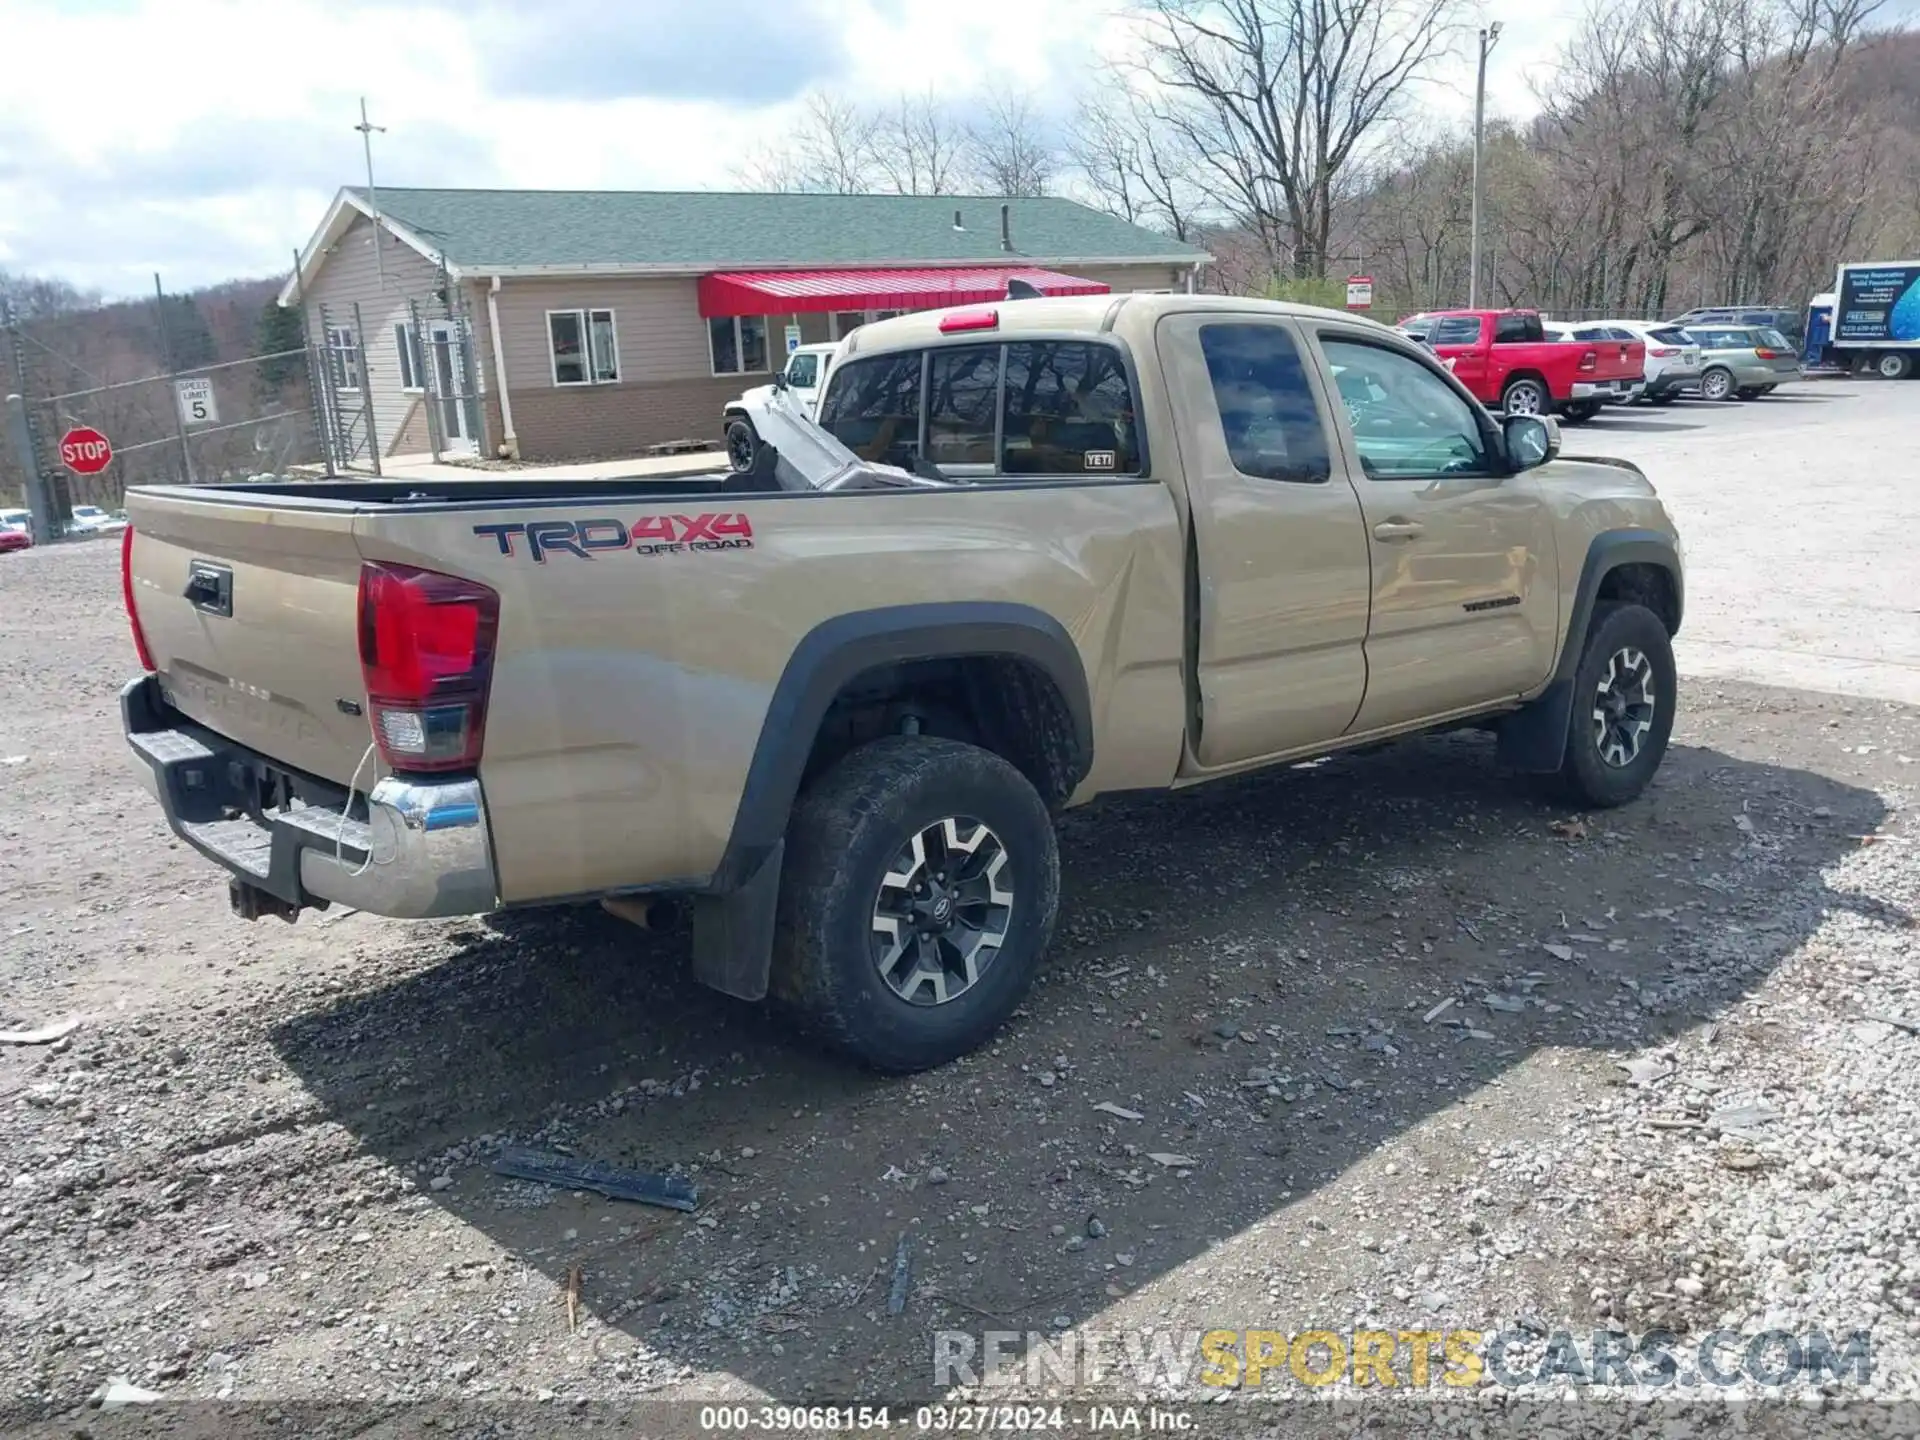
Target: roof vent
{"points": [[1006, 228], [956, 221]]}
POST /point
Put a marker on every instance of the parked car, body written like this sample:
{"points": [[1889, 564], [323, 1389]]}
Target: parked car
{"points": [[803, 377], [1507, 360], [844, 728], [12, 539], [16, 520], [92, 520], [1789, 320], [1742, 361]]}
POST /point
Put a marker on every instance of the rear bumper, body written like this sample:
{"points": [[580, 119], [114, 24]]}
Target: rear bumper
{"points": [[1605, 389], [412, 848]]}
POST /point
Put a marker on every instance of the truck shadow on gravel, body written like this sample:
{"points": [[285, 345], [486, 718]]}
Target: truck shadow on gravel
{"points": [[1248, 967]]}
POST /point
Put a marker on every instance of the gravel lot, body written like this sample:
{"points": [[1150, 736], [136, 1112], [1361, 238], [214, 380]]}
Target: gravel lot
{"points": [[1669, 1089]]}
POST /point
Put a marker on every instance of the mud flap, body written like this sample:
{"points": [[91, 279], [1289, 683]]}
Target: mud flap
{"points": [[733, 933], [1534, 739]]}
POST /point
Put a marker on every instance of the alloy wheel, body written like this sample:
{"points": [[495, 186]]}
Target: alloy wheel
{"points": [[1716, 385], [1524, 399], [1623, 707], [943, 911]]}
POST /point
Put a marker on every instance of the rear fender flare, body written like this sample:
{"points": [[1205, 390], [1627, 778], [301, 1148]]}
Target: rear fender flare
{"points": [[827, 659]]}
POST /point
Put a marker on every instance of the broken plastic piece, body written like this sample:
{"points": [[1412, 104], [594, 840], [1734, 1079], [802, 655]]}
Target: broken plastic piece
{"points": [[609, 1180], [902, 1275], [45, 1035]]}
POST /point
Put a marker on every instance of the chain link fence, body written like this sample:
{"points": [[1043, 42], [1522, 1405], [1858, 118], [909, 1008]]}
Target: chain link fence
{"points": [[173, 412]]}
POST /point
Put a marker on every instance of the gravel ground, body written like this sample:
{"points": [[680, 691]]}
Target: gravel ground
{"points": [[1673, 1088]]}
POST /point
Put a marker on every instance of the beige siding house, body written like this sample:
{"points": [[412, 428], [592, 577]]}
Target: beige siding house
{"points": [[559, 325]]}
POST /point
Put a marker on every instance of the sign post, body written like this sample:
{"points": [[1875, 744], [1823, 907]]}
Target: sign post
{"points": [[793, 338], [1359, 292], [195, 398], [85, 451]]}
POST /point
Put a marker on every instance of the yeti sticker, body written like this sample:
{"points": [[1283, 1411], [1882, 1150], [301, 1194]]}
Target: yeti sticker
{"points": [[1098, 460]]}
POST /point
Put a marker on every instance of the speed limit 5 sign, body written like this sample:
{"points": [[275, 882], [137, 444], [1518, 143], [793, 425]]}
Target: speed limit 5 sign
{"points": [[196, 401]]}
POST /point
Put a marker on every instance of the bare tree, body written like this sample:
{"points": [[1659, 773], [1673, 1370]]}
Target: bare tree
{"points": [[1008, 149], [1137, 165], [917, 146], [1280, 95], [832, 153]]}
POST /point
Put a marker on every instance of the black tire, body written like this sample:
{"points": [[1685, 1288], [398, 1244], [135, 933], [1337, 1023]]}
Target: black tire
{"points": [[1895, 365], [1526, 396], [1582, 411], [742, 443], [1749, 392], [1666, 399], [1587, 777], [1716, 383], [851, 828]]}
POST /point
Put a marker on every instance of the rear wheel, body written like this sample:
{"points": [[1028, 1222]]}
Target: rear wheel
{"points": [[1524, 397], [1750, 392], [1664, 399], [1894, 365], [1583, 411], [1623, 703], [1716, 384], [920, 892]]}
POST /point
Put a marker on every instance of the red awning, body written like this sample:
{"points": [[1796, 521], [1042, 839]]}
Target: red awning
{"points": [[791, 292]]}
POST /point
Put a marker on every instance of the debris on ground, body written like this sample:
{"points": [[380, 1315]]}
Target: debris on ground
{"points": [[1172, 1161], [119, 1391], [573, 1299], [1644, 1071], [902, 1274], [1107, 1107], [1437, 1011], [640, 1186], [45, 1035], [1569, 829]]}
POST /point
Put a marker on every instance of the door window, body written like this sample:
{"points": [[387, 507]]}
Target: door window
{"points": [[803, 370], [1267, 414], [873, 407], [963, 387], [1408, 423]]}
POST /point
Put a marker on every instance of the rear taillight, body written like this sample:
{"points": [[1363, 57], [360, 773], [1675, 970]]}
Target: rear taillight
{"points": [[126, 593], [426, 653], [1770, 354], [1590, 360], [1663, 352]]}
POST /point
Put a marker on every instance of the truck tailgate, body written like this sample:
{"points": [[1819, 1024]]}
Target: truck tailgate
{"points": [[250, 611]]}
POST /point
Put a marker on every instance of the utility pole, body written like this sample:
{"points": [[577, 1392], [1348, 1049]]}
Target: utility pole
{"points": [[368, 130], [1488, 37]]}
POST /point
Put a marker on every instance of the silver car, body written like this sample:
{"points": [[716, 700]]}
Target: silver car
{"points": [[1743, 361]]}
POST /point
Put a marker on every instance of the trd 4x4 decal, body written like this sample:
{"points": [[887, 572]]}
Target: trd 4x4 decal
{"points": [[650, 535]]}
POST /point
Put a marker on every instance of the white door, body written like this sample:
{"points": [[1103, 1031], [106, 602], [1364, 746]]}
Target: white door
{"points": [[447, 353]]}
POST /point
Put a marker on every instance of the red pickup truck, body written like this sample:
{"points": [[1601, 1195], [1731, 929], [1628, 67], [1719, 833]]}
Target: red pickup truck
{"points": [[1507, 360]]}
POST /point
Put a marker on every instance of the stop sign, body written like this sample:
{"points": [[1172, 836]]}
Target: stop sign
{"points": [[85, 451]]}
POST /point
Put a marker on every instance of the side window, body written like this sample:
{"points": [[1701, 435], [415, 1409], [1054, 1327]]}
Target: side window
{"points": [[963, 386], [1408, 423], [1517, 330], [873, 407], [1456, 330], [1267, 414], [1069, 411], [803, 370]]}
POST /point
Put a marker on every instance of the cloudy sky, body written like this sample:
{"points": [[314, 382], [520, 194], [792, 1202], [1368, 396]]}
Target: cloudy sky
{"points": [[204, 140]]}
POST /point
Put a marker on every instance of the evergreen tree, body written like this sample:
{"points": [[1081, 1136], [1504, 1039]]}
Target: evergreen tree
{"points": [[280, 329]]}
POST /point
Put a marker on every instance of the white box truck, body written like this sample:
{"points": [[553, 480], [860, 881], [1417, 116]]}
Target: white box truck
{"points": [[1875, 321]]}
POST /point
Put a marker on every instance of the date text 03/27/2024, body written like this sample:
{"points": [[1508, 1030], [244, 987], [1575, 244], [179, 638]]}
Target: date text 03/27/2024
{"points": [[945, 1419]]}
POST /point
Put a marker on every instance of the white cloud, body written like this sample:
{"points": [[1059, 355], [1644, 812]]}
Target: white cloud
{"points": [[205, 140]]}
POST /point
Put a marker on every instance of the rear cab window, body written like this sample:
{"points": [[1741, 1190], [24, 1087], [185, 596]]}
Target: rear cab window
{"points": [[1021, 408]]}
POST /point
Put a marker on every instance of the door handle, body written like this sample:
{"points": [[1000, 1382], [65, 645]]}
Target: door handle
{"points": [[1398, 530]]}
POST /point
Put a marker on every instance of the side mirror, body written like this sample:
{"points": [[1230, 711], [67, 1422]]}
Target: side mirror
{"points": [[1531, 440], [780, 379]]}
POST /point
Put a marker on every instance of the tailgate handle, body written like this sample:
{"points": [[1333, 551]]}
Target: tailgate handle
{"points": [[210, 588]]}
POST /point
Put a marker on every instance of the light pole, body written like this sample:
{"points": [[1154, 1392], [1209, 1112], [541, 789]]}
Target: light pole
{"points": [[1487, 38]]}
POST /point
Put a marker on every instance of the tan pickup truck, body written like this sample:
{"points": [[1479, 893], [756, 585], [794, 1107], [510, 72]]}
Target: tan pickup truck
{"points": [[1098, 545]]}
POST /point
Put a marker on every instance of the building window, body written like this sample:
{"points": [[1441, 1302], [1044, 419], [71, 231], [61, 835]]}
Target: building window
{"points": [[584, 347], [413, 368], [343, 357], [738, 345]]}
